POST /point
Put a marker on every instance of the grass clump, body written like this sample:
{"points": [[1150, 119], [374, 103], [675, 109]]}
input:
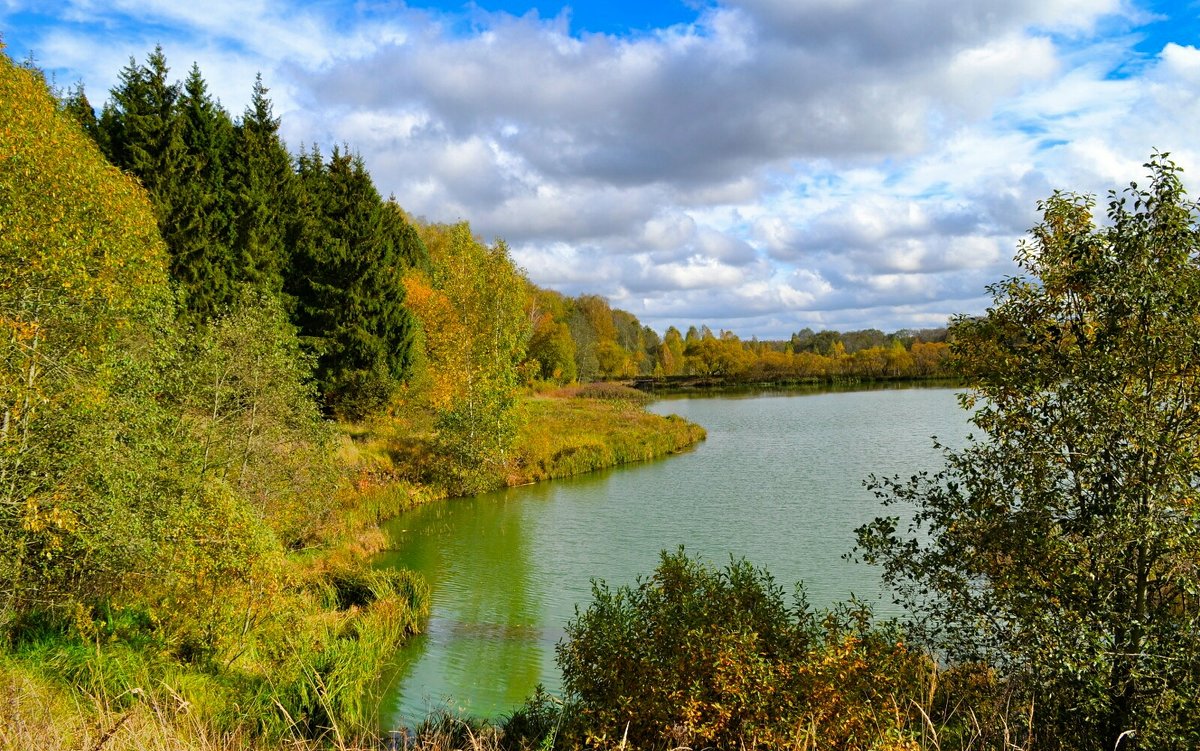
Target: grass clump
{"points": [[304, 670], [607, 390]]}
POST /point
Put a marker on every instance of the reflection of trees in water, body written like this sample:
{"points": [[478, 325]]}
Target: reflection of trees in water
{"points": [[486, 643]]}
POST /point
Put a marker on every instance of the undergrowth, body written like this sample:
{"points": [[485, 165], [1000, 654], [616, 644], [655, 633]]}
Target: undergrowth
{"points": [[296, 666]]}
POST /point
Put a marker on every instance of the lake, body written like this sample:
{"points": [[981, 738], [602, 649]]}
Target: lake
{"points": [[779, 482]]}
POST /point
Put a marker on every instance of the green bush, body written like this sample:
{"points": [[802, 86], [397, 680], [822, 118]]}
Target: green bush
{"points": [[717, 658]]}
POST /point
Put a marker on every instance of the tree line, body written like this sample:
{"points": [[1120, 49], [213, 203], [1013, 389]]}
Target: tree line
{"points": [[237, 210], [584, 338], [395, 313]]}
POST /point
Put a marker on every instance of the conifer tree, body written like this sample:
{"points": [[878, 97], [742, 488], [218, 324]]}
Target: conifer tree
{"points": [[402, 236], [263, 186], [348, 257], [199, 226], [76, 105], [139, 131]]}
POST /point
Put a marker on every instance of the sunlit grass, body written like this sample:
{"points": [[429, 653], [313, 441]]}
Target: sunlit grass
{"points": [[582, 430], [564, 432]]}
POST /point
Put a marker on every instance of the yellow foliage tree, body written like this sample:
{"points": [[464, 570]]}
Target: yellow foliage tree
{"points": [[471, 308], [83, 298]]}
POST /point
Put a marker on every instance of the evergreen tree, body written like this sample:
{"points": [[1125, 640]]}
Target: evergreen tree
{"points": [[76, 105], [199, 226], [139, 131], [263, 186], [348, 257], [402, 236]]}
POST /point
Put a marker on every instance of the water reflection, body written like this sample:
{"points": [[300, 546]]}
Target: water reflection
{"points": [[486, 628], [779, 481]]}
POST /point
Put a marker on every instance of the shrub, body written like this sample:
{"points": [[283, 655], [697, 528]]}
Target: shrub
{"points": [[717, 658]]}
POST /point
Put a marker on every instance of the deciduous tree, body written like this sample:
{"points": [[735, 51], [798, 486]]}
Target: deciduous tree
{"points": [[1061, 546], [475, 330]]}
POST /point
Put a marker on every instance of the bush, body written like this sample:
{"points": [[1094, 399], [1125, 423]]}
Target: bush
{"points": [[613, 392], [716, 658]]}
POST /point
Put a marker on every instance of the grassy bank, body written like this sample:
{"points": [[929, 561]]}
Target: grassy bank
{"points": [[564, 432], [582, 429], [314, 635]]}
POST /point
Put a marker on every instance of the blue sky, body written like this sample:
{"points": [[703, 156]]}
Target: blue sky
{"points": [[757, 165], [586, 17]]}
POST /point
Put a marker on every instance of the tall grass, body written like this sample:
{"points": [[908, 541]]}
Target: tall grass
{"points": [[599, 426], [308, 672], [39, 714]]}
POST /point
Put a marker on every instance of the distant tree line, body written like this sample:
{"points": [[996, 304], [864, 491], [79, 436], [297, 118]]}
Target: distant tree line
{"points": [[583, 338]]}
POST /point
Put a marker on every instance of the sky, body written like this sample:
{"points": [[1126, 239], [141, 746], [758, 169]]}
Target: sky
{"points": [[759, 166]]}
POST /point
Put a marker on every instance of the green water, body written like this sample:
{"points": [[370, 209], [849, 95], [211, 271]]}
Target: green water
{"points": [[779, 481]]}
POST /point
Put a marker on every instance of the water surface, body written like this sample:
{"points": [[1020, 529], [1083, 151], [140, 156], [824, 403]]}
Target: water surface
{"points": [[778, 481]]}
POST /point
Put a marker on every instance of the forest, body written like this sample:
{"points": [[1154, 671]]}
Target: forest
{"points": [[225, 363]]}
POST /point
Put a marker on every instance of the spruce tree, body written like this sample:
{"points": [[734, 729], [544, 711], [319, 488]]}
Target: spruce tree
{"points": [[199, 228], [76, 105], [139, 131], [404, 240], [263, 187], [349, 253]]}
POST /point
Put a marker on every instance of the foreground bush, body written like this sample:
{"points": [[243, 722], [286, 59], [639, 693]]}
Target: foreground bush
{"points": [[699, 657]]}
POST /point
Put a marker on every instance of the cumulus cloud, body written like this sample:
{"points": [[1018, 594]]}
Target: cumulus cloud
{"points": [[764, 165]]}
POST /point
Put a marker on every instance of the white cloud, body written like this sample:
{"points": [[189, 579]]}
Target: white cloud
{"points": [[773, 165]]}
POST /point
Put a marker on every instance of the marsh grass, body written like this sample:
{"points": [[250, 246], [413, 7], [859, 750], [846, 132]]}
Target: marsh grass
{"points": [[309, 672], [44, 715], [575, 432], [608, 391]]}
